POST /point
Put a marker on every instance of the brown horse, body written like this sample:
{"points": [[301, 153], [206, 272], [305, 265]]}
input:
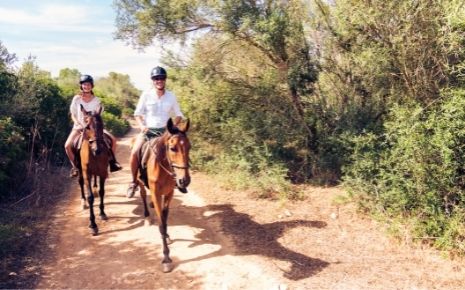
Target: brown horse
{"points": [[167, 168], [94, 158]]}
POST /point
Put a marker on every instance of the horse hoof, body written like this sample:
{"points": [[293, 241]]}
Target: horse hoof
{"points": [[182, 189], [167, 267], [147, 222], [94, 231], [103, 217]]}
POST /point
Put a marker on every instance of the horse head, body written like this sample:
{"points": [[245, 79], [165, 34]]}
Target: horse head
{"points": [[93, 130], [177, 152]]}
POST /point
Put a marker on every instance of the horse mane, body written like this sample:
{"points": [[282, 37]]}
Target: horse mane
{"points": [[159, 147], [98, 123]]}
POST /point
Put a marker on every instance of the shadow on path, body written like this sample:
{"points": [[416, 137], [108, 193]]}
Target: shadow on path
{"points": [[248, 236]]}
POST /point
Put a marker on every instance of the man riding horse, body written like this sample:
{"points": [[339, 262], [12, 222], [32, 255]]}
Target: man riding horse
{"points": [[154, 108]]}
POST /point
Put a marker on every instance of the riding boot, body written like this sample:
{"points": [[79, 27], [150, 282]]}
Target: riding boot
{"points": [[74, 169], [114, 165]]}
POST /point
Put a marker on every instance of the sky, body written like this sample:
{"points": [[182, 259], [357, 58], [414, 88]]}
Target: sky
{"points": [[73, 34]]}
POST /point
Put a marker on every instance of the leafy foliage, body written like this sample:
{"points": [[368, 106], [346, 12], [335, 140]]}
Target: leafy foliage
{"points": [[390, 73], [119, 89], [11, 150], [416, 170]]}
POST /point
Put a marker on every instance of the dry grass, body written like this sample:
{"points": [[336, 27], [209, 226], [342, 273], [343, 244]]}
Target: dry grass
{"points": [[24, 225]]}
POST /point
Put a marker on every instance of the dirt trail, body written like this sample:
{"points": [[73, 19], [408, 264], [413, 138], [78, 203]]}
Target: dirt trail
{"points": [[228, 240], [127, 251]]}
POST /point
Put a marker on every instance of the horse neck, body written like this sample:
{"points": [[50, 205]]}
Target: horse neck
{"points": [[160, 149]]}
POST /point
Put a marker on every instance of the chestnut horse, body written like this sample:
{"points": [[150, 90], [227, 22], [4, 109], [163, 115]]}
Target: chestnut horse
{"points": [[94, 158], [167, 168]]}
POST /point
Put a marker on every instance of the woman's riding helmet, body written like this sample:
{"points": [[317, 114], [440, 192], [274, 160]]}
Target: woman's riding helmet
{"points": [[157, 72], [86, 79]]}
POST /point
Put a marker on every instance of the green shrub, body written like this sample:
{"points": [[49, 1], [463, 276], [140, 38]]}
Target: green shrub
{"points": [[415, 170], [111, 106], [115, 125], [12, 153], [247, 168]]}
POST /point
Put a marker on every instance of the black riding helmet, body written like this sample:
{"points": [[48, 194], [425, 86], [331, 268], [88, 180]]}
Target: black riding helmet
{"points": [[158, 71], [86, 79]]}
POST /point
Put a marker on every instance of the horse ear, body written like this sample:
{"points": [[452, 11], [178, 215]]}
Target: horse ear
{"points": [[186, 126], [83, 110], [100, 109], [170, 126]]}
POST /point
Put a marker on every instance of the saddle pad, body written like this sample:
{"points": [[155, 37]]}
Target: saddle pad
{"points": [[77, 142]]}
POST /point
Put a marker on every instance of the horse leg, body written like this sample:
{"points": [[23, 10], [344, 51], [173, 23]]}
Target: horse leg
{"points": [[162, 226], [164, 214], [90, 199], [143, 195], [83, 196], [103, 216]]}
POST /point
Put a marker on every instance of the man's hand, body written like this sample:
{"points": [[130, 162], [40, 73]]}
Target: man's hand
{"points": [[140, 121]]}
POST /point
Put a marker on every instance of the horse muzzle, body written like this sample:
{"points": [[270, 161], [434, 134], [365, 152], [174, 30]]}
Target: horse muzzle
{"points": [[182, 183]]}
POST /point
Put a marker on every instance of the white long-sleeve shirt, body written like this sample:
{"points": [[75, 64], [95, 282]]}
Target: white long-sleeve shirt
{"points": [[157, 110]]}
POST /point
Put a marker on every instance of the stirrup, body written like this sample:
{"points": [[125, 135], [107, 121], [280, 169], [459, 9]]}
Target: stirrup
{"points": [[131, 189]]}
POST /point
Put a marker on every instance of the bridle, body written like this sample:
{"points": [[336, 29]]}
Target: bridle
{"points": [[96, 138], [171, 164]]}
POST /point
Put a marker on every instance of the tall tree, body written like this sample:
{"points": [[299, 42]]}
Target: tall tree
{"points": [[388, 51], [272, 27], [7, 80]]}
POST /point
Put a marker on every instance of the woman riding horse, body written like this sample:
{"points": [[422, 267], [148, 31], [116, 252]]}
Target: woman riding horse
{"points": [[91, 103], [94, 160]]}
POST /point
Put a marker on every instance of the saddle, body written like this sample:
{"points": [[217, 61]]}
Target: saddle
{"points": [[143, 157]]}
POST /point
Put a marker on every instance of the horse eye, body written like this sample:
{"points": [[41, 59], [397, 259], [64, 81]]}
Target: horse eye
{"points": [[174, 149]]}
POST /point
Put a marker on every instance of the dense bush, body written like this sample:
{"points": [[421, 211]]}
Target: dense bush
{"points": [[115, 125], [415, 170], [12, 151]]}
